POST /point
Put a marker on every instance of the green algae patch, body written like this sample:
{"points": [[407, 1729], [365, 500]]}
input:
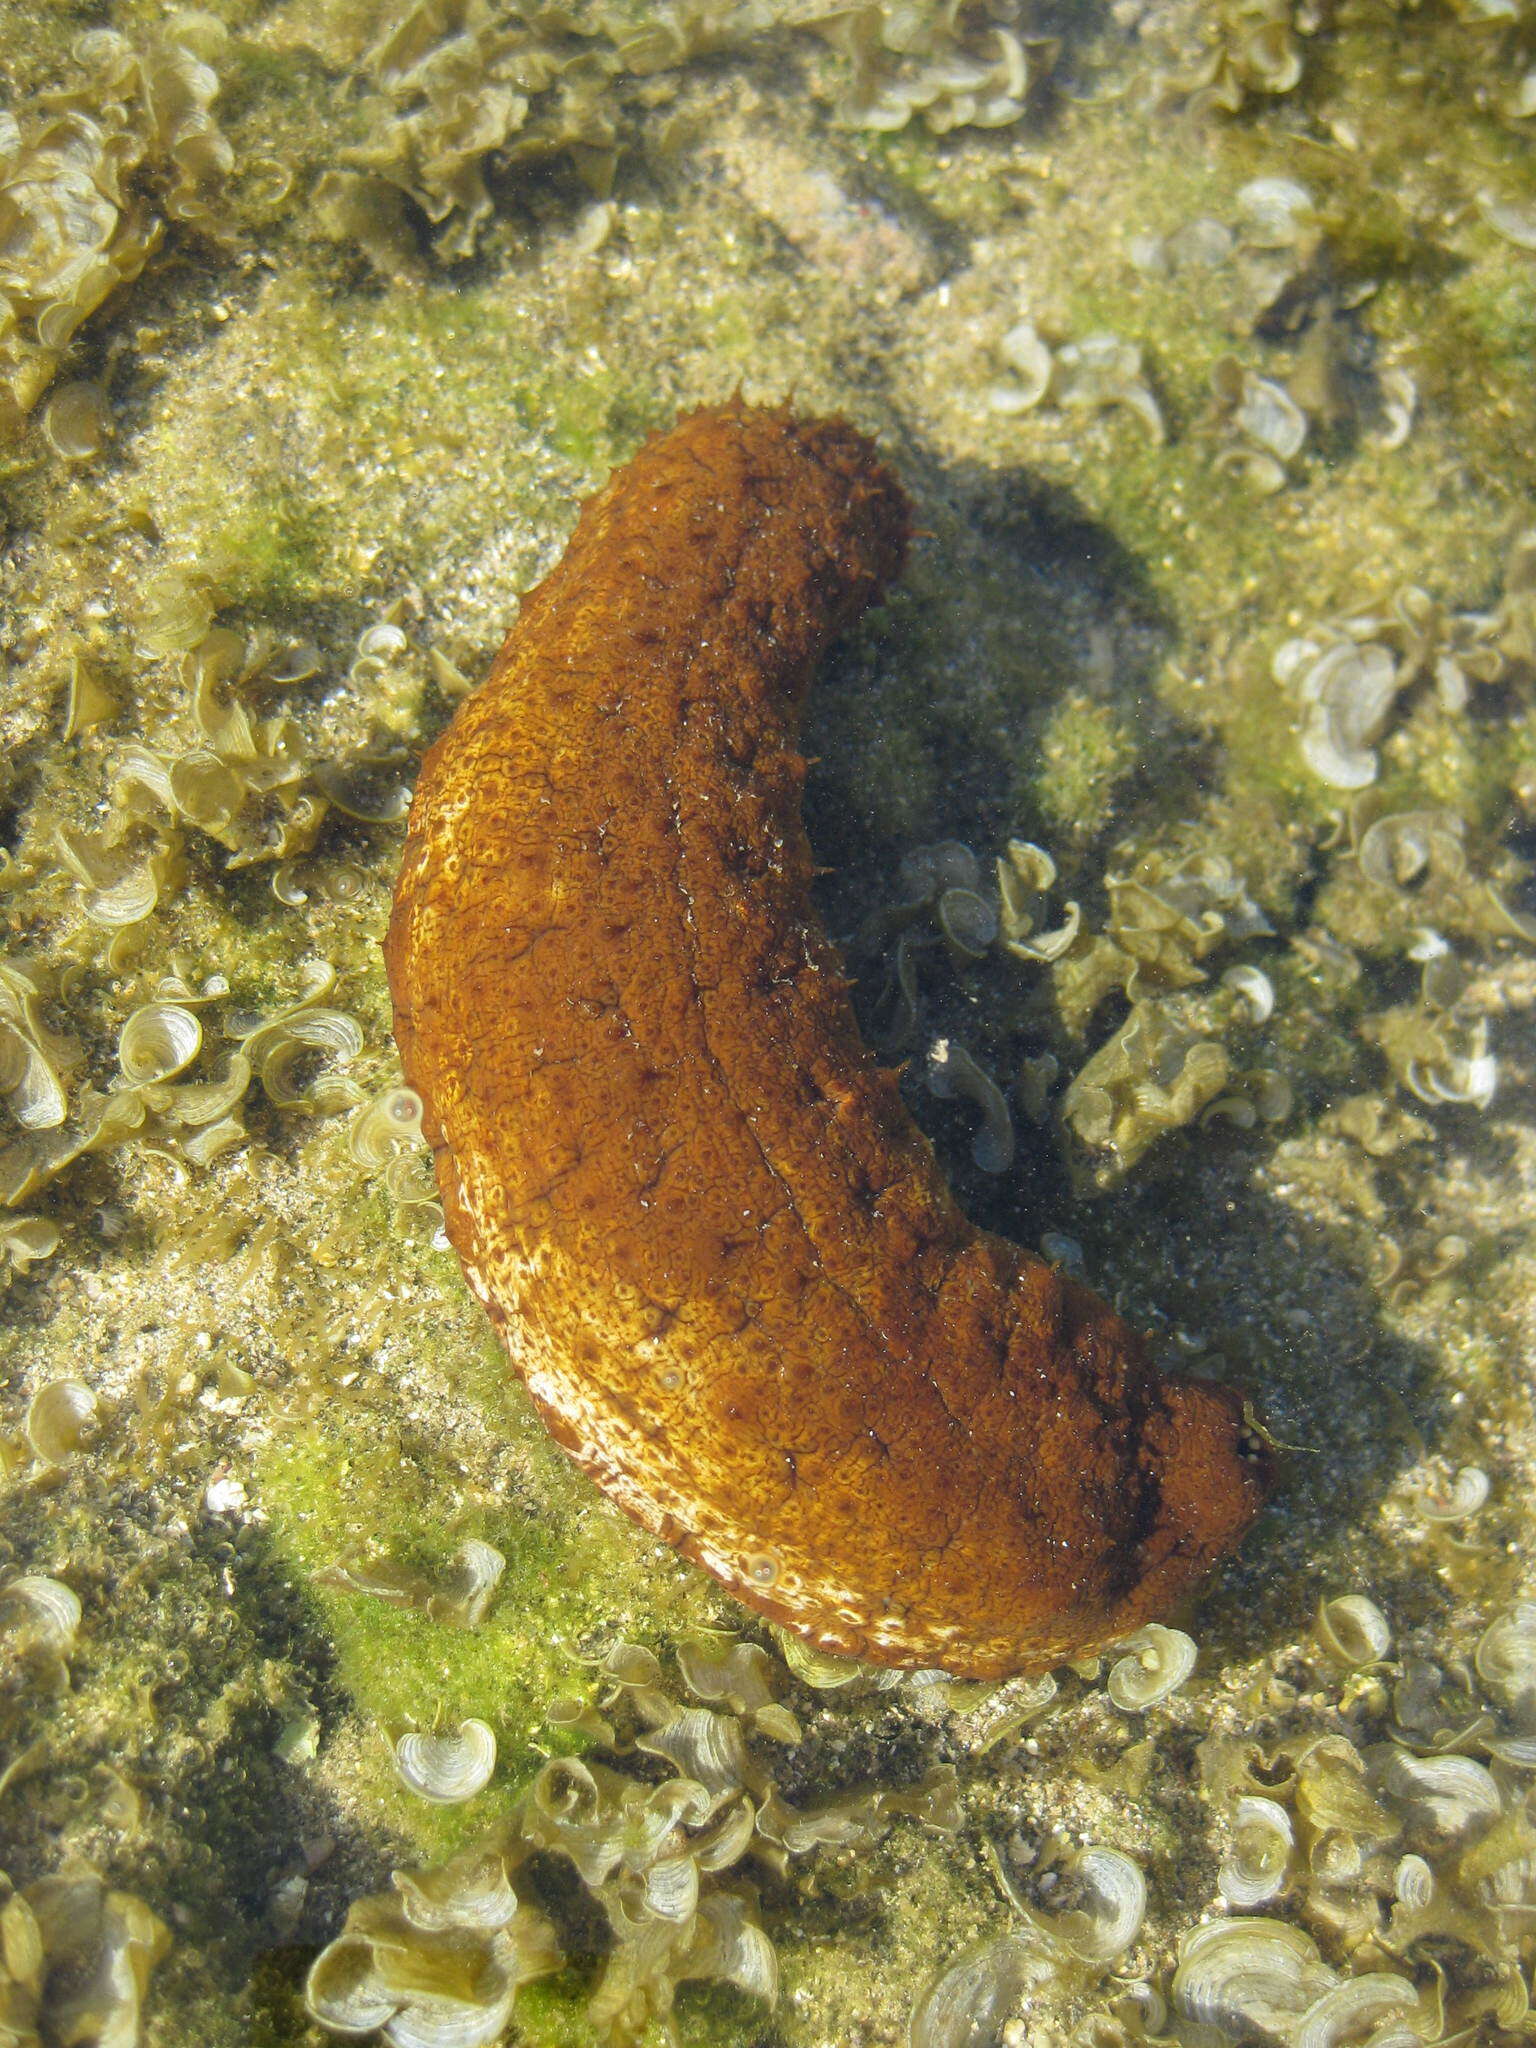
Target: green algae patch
{"points": [[339, 1498], [1085, 751], [302, 450]]}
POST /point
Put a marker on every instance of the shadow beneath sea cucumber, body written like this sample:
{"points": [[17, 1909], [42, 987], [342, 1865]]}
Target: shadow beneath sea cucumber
{"points": [[935, 723]]}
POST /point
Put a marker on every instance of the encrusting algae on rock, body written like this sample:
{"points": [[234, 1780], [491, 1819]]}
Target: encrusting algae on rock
{"points": [[716, 1247]]}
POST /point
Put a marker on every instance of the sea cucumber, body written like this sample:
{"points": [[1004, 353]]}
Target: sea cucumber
{"points": [[718, 1250]]}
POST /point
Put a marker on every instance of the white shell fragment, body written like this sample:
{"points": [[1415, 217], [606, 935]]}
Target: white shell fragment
{"points": [[1155, 1663], [1023, 880], [25, 1239], [447, 1769], [465, 1596], [1413, 1882], [30, 1081], [1399, 404], [1458, 1076]]}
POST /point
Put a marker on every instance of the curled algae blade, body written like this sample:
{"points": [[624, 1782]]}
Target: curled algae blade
{"points": [[716, 1247]]}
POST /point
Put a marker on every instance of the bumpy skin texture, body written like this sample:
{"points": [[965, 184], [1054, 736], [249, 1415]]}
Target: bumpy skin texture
{"points": [[718, 1250]]}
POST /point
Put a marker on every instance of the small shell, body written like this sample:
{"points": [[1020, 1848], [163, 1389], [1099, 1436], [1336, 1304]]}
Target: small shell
{"points": [[1454, 1499], [739, 1673], [1353, 1630], [42, 1610], [1515, 223], [211, 1141], [451, 681], [1397, 849], [1255, 988], [28, 1079], [1413, 1882], [820, 1669], [969, 2002], [62, 1420], [383, 1126], [1249, 1977], [1112, 1903], [87, 701], [1254, 1870], [276, 1049], [342, 1992], [968, 921], [1156, 1662], [704, 1746], [734, 1949], [672, 1888], [1030, 358], [1355, 2010], [1351, 690], [1448, 1798], [381, 642], [1269, 416], [205, 789], [953, 1073], [634, 1666], [1276, 212], [1103, 370], [471, 1890], [157, 1042], [1399, 403], [195, 1103], [1201, 244], [1255, 467], [1505, 1657], [25, 1239], [293, 662], [927, 871], [77, 421], [446, 1769], [469, 1586]]}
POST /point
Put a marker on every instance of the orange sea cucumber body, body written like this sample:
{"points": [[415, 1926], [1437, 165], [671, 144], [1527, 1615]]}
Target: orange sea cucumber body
{"points": [[717, 1248]]}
